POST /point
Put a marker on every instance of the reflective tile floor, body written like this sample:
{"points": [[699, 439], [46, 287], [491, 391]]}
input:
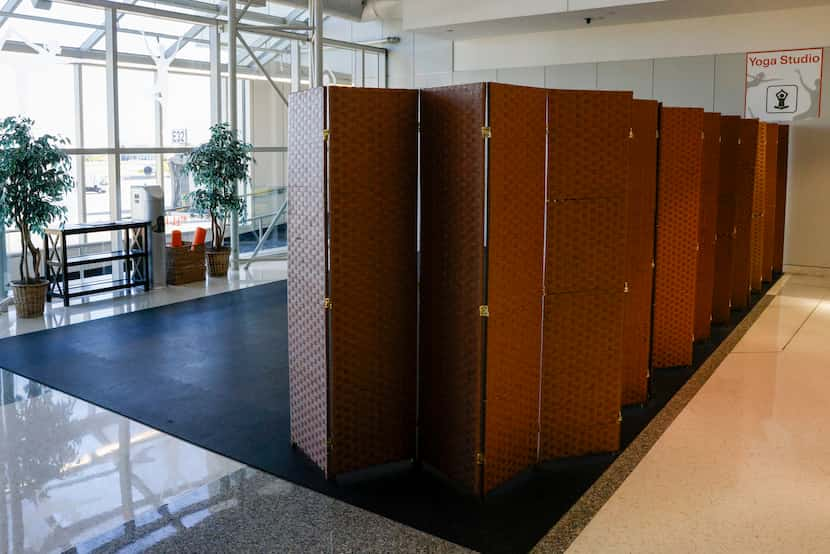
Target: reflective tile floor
{"points": [[77, 478], [745, 467], [108, 305]]}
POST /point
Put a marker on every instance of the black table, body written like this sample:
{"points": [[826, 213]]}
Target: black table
{"points": [[135, 256]]}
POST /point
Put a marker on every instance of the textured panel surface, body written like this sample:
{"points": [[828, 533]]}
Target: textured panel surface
{"points": [[678, 207], [581, 384], [372, 176], [585, 272], [759, 198], [781, 196], [771, 197], [516, 231], [708, 225], [722, 288], [452, 264], [642, 197], [744, 191], [307, 374]]}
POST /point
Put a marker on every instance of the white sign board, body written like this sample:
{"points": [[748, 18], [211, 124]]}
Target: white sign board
{"points": [[784, 85]]}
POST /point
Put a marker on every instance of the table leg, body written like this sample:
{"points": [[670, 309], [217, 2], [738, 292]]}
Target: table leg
{"points": [[64, 271]]}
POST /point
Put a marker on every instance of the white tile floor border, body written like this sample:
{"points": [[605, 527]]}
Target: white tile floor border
{"points": [[743, 467]]}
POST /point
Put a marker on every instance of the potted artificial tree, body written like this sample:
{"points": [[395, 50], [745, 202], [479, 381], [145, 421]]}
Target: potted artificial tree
{"points": [[34, 176], [217, 166]]}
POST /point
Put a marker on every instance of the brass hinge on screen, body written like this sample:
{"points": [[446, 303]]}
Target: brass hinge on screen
{"points": [[479, 458], [619, 418], [653, 264], [631, 133], [327, 304], [625, 288], [486, 132], [484, 311], [740, 141], [326, 135], [329, 444]]}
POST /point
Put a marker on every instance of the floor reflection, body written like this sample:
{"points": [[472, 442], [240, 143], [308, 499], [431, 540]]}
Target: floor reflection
{"points": [[70, 471]]}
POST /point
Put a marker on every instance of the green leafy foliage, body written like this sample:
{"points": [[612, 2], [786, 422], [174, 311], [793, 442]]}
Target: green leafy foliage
{"points": [[217, 166], [35, 173]]}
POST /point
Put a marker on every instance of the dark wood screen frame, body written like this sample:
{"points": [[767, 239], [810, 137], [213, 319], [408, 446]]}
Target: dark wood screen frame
{"points": [[709, 194], [678, 212], [372, 183], [771, 198], [744, 192], [585, 272], [453, 208], [515, 264], [781, 200], [724, 241], [642, 210]]}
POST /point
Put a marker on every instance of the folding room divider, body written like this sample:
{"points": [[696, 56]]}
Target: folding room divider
{"points": [[482, 252], [781, 197], [771, 199], [585, 272], [352, 300], [709, 193], [744, 194], [678, 212], [765, 176], [642, 206], [539, 310], [724, 242]]}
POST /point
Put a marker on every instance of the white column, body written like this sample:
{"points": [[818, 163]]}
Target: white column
{"points": [[234, 265]]}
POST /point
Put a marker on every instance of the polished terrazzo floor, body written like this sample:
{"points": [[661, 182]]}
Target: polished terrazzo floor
{"points": [[78, 478], [744, 467]]}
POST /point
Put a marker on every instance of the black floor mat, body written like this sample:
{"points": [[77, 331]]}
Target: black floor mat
{"points": [[214, 372]]}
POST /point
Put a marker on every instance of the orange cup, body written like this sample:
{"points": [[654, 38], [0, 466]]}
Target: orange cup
{"points": [[199, 237], [176, 239]]}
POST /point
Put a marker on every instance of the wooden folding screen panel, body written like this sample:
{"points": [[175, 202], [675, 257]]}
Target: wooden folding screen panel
{"points": [[352, 329], [642, 198], [584, 272], [722, 288], [482, 247], [781, 197], [766, 175], [744, 194], [771, 199], [678, 210], [708, 220]]}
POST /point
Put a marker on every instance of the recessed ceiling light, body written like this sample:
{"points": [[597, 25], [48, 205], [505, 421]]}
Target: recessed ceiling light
{"points": [[450, 30]]}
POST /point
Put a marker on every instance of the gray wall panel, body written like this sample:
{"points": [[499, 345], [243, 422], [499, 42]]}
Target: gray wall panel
{"points": [[730, 82], [685, 82], [528, 76], [574, 76], [635, 75]]}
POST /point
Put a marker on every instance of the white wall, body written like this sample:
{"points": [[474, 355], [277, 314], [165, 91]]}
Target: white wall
{"points": [[681, 63]]}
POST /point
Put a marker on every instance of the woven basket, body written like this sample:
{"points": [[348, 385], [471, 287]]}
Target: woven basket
{"points": [[217, 262], [185, 265], [30, 299]]}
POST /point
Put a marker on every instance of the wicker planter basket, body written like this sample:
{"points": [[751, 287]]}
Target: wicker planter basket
{"points": [[185, 265], [217, 262], [29, 299]]}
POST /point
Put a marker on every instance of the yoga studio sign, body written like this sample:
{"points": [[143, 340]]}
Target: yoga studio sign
{"points": [[784, 85]]}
